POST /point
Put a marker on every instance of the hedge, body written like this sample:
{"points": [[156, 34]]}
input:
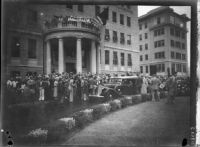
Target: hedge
{"points": [[98, 111]]}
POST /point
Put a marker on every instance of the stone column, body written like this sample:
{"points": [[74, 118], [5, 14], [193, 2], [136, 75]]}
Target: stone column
{"points": [[60, 56], [98, 59], [78, 56], [48, 57], [93, 57]]}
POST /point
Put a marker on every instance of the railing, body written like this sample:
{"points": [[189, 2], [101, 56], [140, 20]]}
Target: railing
{"points": [[65, 23]]}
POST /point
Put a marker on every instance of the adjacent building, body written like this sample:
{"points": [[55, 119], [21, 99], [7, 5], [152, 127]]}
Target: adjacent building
{"points": [[67, 38], [163, 42]]}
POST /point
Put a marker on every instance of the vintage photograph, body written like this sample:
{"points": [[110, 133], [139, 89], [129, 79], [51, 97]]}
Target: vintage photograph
{"points": [[96, 74]]}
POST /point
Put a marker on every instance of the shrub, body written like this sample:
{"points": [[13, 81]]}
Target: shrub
{"points": [[82, 118], [57, 132], [69, 122], [145, 97], [136, 99], [98, 111], [128, 100], [124, 102], [115, 104]]}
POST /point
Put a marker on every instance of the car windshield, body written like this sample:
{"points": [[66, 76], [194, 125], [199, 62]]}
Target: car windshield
{"points": [[115, 80]]}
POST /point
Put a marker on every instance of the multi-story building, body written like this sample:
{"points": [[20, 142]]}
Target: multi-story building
{"points": [[163, 42], [66, 38]]}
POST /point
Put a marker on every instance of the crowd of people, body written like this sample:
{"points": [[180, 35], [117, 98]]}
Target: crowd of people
{"points": [[77, 87], [55, 86]]}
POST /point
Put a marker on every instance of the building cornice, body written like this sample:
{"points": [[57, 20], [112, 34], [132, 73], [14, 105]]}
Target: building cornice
{"points": [[25, 31]]}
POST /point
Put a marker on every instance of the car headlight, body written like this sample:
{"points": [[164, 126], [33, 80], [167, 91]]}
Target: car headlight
{"points": [[118, 89]]}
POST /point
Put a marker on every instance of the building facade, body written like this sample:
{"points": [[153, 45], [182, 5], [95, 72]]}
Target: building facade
{"points": [[68, 38], [163, 42]]}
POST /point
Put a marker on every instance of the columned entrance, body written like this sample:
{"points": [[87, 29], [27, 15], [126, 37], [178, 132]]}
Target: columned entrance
{"points": [[71, 54]]}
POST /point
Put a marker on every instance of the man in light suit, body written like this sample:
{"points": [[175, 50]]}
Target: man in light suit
{"points": [[155, 82]]}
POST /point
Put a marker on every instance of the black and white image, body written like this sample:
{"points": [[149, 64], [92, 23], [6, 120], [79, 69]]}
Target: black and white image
{"points": [[96, 74]]}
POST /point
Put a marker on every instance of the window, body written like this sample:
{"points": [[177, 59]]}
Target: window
{"points": [[107, 35], [140, 36], [146, 46], [163, 67], [178, 44], [183, 45], [172, 19], [122, 59], [160, 67], [115, 36], [178, 67], [128, 21], [162, 31], [115, 58], [122, 19], [97, 10], [107, 57], [172, 55], [114, 16], [158, 20], [172, 31], [184, 68], [32, 48], [159, 55], [69, 6], [145, 25], [141, 69], [173, 68], [183, 35], [129, 60], [141, 58], [146, 35], [15, 47], [159, 43], [183, 57], [147, 69], [177, 33], [155, 32], [172, 43], [140, 47], [122, 40], [80, 8], [140, 26], [146, 57], [129, 39], [32, 17], [178, 56]]}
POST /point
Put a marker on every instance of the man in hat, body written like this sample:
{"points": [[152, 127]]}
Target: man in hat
{"points": [[172, 87]]}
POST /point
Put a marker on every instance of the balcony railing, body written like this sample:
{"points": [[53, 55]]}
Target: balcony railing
{"points": [[67, 22]]}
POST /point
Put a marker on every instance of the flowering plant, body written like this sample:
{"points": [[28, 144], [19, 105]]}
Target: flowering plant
{"points": [[118, 102], [38, 132], [107, 107]]}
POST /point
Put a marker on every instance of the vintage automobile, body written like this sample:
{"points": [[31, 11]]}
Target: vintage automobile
{"points": [[125, 85]]}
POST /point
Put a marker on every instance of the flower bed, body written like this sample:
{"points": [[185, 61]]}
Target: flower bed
{"points": [[37, 136], [115, 104]]}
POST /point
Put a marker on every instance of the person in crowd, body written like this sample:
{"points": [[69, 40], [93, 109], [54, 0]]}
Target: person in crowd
{"points": [[172, 87], [71, 89], [144, 86], [155, 82], [55, 88]]}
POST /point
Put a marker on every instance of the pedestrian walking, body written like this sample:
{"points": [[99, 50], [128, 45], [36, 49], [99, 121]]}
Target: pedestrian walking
{"points": [[172, 88]]}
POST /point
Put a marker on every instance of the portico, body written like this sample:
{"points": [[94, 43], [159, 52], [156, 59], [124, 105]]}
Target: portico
{"points": [[73, 47]]}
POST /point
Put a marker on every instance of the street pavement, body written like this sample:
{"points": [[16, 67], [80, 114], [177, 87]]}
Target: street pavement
{"points": [[152, 123]]}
